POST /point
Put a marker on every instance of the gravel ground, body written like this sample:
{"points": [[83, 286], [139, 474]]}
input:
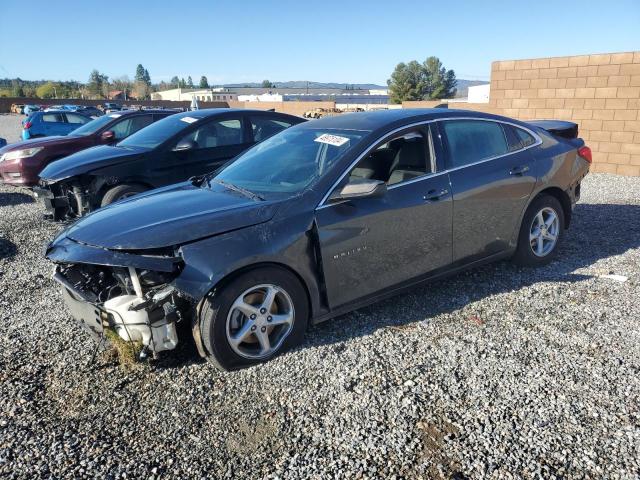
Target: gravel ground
{"points": [[11, 127], [499, 372]]}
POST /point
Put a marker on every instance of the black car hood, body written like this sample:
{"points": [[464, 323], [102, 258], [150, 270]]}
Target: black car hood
{"points": [[168, 217], [88, 160]]}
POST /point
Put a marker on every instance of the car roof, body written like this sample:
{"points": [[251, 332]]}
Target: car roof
{"points": [[131, 112], [377, 119], [212, 112]]}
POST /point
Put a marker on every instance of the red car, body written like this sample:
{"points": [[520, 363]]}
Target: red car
{"points": [[21, 163]]}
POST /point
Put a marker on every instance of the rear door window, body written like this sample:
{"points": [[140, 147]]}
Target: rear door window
{"points": [[130, 125], [78, 119], [517, 137], [471, 141]]}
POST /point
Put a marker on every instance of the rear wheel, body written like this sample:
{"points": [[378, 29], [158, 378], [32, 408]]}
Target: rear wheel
{"points": [[541, 231], [253, 318], [121, 191]]}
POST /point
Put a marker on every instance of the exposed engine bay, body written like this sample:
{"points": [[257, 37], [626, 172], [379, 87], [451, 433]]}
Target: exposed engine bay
{"points": [[137, 304]]}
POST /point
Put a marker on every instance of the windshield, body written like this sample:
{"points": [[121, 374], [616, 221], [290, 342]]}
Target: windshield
{"points": [[93, 126], [289, 161], [158, 132]]}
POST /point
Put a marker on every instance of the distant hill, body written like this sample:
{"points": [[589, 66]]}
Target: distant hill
{"points": [[462, 86]]}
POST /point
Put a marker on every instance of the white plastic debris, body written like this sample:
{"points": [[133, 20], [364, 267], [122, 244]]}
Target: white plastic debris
{"points": [[617, 278]]}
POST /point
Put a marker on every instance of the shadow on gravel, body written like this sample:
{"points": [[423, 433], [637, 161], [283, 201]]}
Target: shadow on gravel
{"points": [[15, 198], [7, 248], [597, 231]]}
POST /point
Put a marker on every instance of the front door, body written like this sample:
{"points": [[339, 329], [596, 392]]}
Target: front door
{"points": [[215, 143], [370, 244], [491, 181]]}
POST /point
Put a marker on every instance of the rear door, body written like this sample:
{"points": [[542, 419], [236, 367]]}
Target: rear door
{"points": [[491, 180], [371, 244]]}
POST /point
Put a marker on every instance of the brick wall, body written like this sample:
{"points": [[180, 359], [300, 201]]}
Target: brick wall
{"points": [[599, 92]]}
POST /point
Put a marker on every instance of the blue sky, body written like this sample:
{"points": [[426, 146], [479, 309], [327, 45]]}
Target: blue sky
{"points": [[338, 41]]}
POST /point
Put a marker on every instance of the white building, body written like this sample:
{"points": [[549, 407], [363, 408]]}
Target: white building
{"points": [[479, 93], [264, 97], [202, 94]]}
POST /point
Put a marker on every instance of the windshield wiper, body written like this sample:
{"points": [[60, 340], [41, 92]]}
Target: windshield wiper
{"points": [[243, 191]]}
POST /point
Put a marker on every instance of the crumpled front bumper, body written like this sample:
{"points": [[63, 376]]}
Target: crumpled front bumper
{"points": [[56, 207]]}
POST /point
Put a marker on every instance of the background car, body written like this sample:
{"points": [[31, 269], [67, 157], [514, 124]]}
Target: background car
{"points": [[111, 107], [17, 108], [56, 122], [319, 220], [29, 109], [169, 151], [21, 163], [90, 110]]}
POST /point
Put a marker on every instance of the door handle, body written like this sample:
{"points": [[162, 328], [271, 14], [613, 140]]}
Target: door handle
{"points": [[434, 195], [519, 170]]}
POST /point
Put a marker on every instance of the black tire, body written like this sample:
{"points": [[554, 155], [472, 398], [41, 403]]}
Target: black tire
{"points": [[121, 191], [212, 318], [525, 255]]}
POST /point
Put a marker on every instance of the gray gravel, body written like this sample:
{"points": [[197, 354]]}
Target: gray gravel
{"points": [[499, 372], [11, 127]]}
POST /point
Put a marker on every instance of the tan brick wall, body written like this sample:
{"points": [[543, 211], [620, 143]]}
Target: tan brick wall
{"points": [[599, 92]]}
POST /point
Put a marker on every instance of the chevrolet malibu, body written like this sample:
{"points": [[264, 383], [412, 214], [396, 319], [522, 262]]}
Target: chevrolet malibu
{"points": [[320, 219]]}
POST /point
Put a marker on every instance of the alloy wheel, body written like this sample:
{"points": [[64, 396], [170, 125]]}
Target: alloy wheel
{"points": [[544, 232], [259, 320]]}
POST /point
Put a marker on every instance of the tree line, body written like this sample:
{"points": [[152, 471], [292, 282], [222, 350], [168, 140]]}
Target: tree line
{"points": [[98, 86]]}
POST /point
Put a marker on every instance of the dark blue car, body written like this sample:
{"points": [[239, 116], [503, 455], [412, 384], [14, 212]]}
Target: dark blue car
{"points": [[46, 124]]}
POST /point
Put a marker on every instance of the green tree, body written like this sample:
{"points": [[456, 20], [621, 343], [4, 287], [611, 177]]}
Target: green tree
{"points": [[182, 83], [407, 82], [440, 83], [175, 82], [97, 84], [426, 81], [16, 88], [189, 82], [204, 83], [140, 73], [268, 84], [48, 90]]}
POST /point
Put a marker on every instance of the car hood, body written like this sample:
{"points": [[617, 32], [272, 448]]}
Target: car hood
{"points": [[88, 160], [169, 216], [36, 142]]}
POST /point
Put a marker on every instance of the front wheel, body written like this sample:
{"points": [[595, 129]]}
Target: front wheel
{"points": [[253, 318], [120, 192], [541, 231]]}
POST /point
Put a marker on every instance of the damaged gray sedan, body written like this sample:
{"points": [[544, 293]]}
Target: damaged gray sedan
{"points": [[318, 220]]}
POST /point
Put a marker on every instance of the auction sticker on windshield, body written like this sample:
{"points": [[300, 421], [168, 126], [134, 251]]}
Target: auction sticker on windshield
{"points": [[189, 119], [334, 140]]}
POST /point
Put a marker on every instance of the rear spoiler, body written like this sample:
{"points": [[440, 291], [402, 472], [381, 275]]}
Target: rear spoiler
{"points": [[558, 128]]}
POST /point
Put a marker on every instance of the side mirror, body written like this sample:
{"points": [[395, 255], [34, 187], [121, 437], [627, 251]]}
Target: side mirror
{"points": [[184, 145], [108, 136], [360, 188]]}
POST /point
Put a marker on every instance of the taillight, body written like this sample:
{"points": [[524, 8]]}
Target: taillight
{"points": [[585, 152], [27, 125]]}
